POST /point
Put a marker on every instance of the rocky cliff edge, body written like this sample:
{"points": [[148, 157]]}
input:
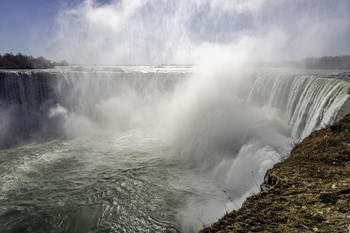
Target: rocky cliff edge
{"points": [[307, 192]]}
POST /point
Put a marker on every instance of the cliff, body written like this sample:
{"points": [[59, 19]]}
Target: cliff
{"points": [[307, 192]]}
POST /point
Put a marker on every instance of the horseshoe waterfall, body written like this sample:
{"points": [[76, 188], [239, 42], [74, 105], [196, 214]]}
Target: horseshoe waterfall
{"points": [[149, 148]]}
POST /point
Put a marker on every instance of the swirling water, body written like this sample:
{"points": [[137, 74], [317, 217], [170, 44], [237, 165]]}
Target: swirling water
{"points": [[119, 183], [147, 149]]}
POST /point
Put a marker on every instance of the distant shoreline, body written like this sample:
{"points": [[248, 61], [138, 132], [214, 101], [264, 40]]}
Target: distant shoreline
{"points": [[19, 61], [327, 63], [8, 61]]}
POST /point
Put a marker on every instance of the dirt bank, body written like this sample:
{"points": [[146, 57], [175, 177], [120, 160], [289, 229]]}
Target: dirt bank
{"points": [[308, 192]]}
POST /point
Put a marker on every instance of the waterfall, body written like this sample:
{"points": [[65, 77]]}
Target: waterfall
{"points": [[232, 128], [304, 101], [48, 103], [206, 138]]}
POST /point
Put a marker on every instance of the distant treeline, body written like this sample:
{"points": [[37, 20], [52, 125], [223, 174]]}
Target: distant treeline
{"points": [[338, 62], [20, 61]]}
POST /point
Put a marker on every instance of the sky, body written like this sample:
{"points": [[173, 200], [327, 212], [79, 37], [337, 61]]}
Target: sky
{"points": [[174, 31], [19, 19]]}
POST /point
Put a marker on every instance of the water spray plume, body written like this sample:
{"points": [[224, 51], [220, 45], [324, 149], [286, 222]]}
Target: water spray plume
{"points": [[186, 32]]}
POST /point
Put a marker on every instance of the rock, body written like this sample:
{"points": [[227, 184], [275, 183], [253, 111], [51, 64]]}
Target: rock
{"points": [[336, 128]]}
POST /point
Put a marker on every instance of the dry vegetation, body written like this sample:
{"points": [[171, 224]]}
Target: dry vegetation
{"points": [[308, 192]]}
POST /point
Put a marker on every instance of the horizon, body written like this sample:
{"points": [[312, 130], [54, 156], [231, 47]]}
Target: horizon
{"points": [[171, 64], [300, 63]]}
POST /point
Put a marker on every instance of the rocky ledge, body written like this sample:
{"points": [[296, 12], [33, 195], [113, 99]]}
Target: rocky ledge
{"points": [[307, 192]]}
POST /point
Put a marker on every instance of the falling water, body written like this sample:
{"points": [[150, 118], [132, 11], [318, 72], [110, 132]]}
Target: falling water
{"points": [[148, 148]]}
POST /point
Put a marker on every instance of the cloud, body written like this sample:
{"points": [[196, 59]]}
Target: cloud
{"points": [[169, 31]]}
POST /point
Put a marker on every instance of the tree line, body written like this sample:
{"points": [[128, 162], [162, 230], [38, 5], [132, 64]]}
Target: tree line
{"points": [[327, 62], [20, 61], [338, 62]]}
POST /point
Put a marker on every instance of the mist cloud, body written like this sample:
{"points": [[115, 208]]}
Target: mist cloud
{"points": [[156, 31]]}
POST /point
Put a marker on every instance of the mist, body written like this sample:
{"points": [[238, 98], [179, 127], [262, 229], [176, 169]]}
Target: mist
{"points": [[188, 32], [224, 138]]}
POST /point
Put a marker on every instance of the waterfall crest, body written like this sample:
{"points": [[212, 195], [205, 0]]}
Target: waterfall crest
{"points": [[306, 102]]}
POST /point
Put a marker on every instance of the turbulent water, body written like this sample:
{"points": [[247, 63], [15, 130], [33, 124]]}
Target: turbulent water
{"points": [[148, 149]]}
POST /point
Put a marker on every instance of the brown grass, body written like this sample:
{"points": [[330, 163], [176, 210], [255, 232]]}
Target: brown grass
{"points": [[307, 192]]}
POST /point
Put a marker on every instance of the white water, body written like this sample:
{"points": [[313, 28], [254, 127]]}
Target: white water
{"points": [[140, 148]]}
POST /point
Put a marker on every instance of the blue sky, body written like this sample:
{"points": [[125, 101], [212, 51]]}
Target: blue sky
{"points": [[157, 31], [19, 17]]}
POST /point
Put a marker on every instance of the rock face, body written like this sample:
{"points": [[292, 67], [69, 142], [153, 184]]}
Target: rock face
{"points": [[307, 192]]}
